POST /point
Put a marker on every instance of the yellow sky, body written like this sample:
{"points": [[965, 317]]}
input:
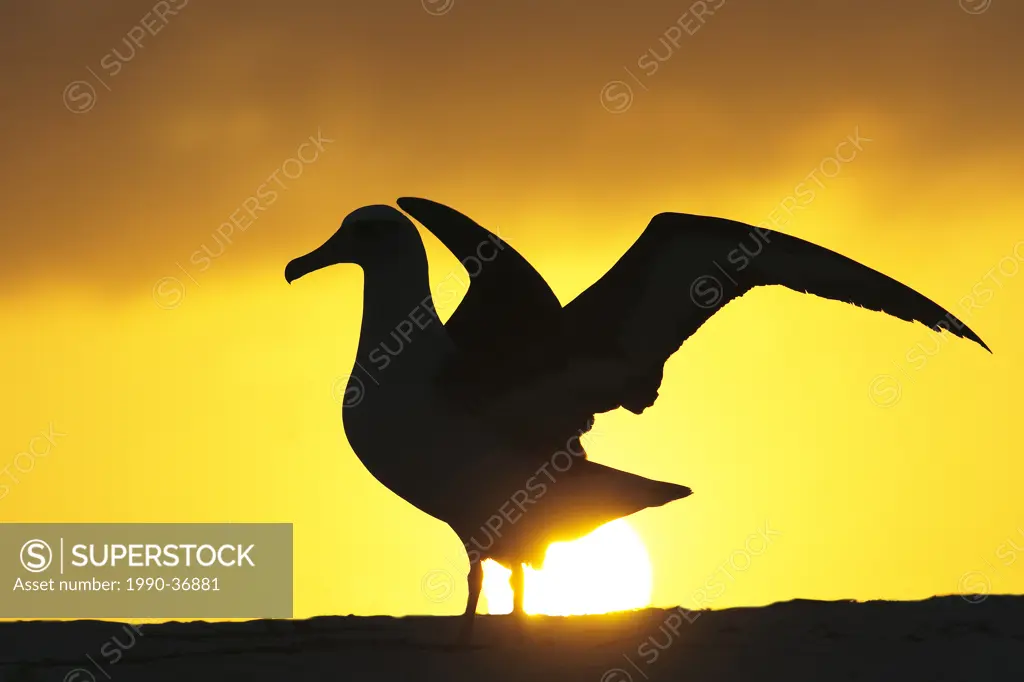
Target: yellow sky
{"points": [[885, 463]]}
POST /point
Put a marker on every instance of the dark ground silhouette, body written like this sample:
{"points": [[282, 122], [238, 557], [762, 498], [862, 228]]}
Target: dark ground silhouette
{"points": [[940, 639]]}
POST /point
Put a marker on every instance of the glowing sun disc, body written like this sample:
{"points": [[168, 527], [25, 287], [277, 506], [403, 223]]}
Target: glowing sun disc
{"points": [[608, 570]]}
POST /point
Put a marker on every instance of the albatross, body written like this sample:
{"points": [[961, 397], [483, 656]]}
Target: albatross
{"points": [[478, 421]]}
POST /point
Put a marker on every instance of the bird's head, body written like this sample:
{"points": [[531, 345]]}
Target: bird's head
{"points": [[367, 235]]}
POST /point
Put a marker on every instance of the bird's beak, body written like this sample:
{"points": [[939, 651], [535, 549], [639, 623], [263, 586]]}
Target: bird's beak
{"points": [[332, 252], [311, 262]]}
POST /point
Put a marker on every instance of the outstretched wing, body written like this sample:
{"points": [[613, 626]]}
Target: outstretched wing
{"points": [[684, 268]]}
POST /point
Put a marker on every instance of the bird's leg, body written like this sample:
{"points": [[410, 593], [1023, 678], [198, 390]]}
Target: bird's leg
{"points": [[518, 589], [518, 581], [476, 583]]}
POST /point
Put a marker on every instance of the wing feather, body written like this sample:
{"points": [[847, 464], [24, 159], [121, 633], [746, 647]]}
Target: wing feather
{"points": [[684, 268]]}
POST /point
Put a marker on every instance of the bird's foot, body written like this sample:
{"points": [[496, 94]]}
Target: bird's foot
{"points": [[465, 638], [519, 630]]}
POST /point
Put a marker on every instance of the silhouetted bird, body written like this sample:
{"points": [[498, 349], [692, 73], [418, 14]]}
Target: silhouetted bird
{"points": [[478, 421]]}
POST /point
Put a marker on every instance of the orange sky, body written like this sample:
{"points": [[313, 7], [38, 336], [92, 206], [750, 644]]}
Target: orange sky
{"points": [[218, 406]]}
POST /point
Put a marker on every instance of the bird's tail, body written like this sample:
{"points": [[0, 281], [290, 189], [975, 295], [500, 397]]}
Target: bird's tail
{"points": [[599, 494]]}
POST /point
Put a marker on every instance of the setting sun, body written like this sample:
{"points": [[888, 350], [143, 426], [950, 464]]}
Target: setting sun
{"points": [[608, 570]]}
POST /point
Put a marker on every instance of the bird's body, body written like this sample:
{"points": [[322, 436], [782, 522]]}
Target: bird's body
{"points": [[503, 502], [479, 421], [394, 424]]}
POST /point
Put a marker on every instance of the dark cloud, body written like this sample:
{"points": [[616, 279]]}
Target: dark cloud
{"points": [[489, 102]]}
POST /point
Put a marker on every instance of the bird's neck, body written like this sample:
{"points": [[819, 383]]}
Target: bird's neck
{"points": [[401, 333]]}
